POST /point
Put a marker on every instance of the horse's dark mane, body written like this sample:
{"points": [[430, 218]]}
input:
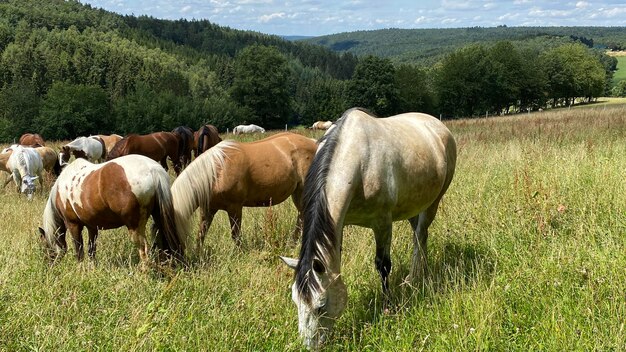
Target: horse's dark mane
{"points": [[318, 238]]}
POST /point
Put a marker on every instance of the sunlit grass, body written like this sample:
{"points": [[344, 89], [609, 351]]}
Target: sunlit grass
{"points": [[528, 252]]}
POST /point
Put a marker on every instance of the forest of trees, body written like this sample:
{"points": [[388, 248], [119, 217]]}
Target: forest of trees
{"points": [[67, 69]]}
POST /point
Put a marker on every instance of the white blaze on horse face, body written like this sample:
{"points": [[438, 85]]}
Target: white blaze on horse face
{"points": [[28, 186], [316, 319]]}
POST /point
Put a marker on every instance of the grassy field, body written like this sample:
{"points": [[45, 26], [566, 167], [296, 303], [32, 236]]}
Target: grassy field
{"points": [[620, 74], [528, 252]]}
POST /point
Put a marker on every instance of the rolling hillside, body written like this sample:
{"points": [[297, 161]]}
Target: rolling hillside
{"points": [[429, 45]]}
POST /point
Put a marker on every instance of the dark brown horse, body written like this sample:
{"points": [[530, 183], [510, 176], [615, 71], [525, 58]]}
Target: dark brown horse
{"points": [[157, 146], [206, 137], [122, 192], [33, 140], [185, 143], [233, 175]]}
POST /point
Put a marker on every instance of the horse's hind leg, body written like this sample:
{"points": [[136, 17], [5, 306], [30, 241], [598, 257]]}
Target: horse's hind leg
{"points": [[382, 235], [76, 230], [138, 236], [420, 224], [91, 246], [164, 163]]}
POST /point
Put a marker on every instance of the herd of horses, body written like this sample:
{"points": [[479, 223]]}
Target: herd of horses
{"points": [[364, 171]]}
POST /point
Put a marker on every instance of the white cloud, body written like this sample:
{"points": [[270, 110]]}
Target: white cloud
{"points": [[421, 19], [185, 9], [270, 17], [582, 4], [614, 12]]}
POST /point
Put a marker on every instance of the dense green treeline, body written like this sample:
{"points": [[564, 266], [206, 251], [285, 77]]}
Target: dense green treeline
{"points": [[67, 69], [428, 46]]}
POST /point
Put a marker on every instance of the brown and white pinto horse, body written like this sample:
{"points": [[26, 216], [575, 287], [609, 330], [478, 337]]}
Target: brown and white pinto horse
{"points": [[91, 148], [204, 138], [31, 140], [233, 175], [110, 140], [122, 192], [157, 146]]}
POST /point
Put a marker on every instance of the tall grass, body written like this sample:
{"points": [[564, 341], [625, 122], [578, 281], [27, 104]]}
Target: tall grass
{"points": [[528, 252]]}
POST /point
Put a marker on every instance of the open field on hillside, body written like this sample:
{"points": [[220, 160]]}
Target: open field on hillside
{"points": [[528, 252], [620, 74]]}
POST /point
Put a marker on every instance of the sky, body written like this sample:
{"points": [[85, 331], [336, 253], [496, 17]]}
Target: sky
{"points": [[320, 17]]}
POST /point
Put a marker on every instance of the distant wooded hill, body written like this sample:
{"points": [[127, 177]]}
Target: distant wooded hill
{"points": [[428, 46]]}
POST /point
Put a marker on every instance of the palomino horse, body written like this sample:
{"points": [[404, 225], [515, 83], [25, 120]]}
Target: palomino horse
{"points": [[32, 140], [157, 146], [367, 172], [233, 175], [91, 148], [244, 129], [110, 140], [25, 166], [185, 143], [204, 138], [122, 192], [322, 125]]}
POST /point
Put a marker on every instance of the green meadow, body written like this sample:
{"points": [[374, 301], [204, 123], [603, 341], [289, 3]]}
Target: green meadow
{"points": [[528, 252], [620, 74]]}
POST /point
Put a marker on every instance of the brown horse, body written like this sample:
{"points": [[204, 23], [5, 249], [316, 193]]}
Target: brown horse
{"points": [[122, 192], [110, 140], [206, 137], [50, 160], [32, 140], [157, 146], [233, 175], [185, 143]]}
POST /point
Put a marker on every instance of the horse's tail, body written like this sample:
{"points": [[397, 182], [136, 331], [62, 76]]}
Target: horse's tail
{"points": [[103, 155], [204, 132], [192, 188], [169, 239], [57, 168]]}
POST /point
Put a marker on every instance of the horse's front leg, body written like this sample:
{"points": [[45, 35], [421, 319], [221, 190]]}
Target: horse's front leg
{"points": [[77, 237], [91, 246], [206, 218], [234, 216]]}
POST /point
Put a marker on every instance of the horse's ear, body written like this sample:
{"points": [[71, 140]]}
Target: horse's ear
{"points": [[292, 263], [42, 233]]}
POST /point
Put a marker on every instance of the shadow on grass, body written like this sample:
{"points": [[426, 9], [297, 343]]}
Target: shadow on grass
{"points": [[453, 268]]}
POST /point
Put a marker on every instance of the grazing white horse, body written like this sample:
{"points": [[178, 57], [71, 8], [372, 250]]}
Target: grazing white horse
{"points": [[322, 125], [368, 172], [91, 148], [25, 166], [248, 129]]}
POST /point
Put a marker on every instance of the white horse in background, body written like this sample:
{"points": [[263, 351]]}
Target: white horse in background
{"points": [[25, 166], [91, 148], [322, 125], [248, 129]]}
